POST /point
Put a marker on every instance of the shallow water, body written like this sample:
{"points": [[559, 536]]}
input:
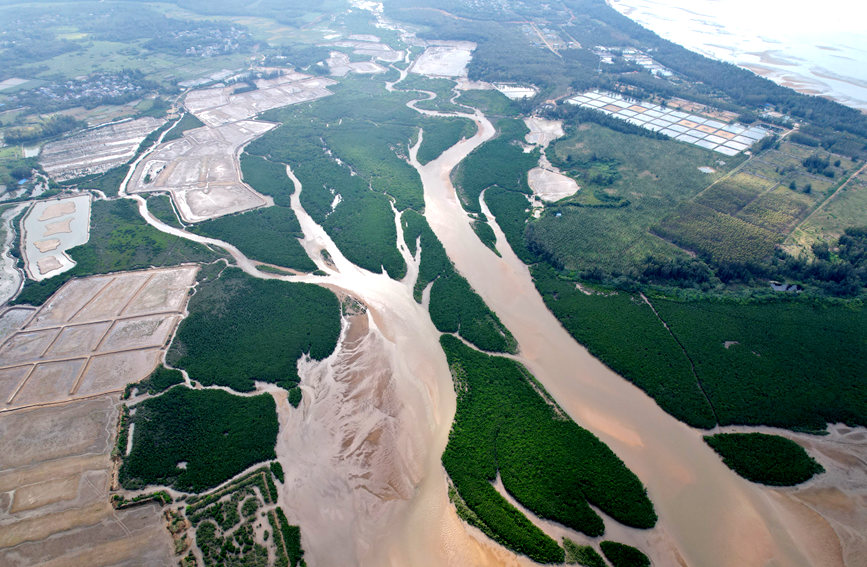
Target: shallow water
{"points": [[817, 49], [386, 495]]}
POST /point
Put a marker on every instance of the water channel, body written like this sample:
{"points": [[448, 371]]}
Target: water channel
{"points": [[367, 485]]}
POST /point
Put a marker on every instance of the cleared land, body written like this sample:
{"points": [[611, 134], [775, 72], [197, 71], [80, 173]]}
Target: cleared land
{"points": [[55, 480], [340, 65], [445, 59], [220, 106], [94, 336], [201, 171], [50, 229], [97, 150]]}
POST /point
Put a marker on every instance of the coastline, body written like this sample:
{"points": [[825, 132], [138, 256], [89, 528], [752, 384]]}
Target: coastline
{"points": [[815, 65]]}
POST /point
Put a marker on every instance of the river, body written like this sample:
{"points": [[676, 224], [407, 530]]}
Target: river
{"points": [[816, 48], [362, 452]]}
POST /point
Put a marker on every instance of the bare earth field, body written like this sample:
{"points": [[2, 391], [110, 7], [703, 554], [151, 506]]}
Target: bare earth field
{"points": [[94, 336], [445, 59], [219, 106], [202, 172], [546, 181], [50, 229], [55, 475], [67, 361], [96, 150], [340, 65], [372, 46]]}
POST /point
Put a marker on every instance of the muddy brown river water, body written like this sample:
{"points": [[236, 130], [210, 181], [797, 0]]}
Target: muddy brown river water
{"points": [[362, 452]]}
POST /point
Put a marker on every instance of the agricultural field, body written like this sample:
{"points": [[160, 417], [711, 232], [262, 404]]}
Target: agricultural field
{"points": [[96, 151], [94, 336], [200, 171], [628, 184], [844, 210], [56, 462], [757, 208]]}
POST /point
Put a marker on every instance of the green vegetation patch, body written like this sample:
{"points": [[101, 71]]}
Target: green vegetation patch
{"points": [[159, 380], [793, 363], [512, 212], [267, 235], [622, 555], [242, 329], [583, 555], [788, 363], [506, 425], [187, 122], [722, 238], [120, 240], [440, 135], [217, 435], [491, 102], [766, 459], [501, 161], [455, 307], [160, 206], [623, 332]]}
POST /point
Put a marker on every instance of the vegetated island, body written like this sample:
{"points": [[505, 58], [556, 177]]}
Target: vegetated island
{"points": [[766, 459]]}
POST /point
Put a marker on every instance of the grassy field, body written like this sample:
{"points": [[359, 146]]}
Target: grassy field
{"points": [[241, 329], [506, 425], [634, 182], [766, 459], [845, 210], [716, 236], [216, 434]]}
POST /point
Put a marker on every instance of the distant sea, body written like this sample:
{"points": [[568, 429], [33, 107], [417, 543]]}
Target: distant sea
{"points": [[817, 47]]}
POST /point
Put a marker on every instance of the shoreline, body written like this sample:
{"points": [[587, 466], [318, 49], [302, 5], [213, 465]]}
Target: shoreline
{"points": [[767, 59]]}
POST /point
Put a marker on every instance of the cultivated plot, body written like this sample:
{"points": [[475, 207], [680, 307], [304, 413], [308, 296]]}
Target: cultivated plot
{"points": [[50, 229], [202, 172], [370, 45], [96, 150], [220, 105], [55, 475], [94, 336], [727, 139]]}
